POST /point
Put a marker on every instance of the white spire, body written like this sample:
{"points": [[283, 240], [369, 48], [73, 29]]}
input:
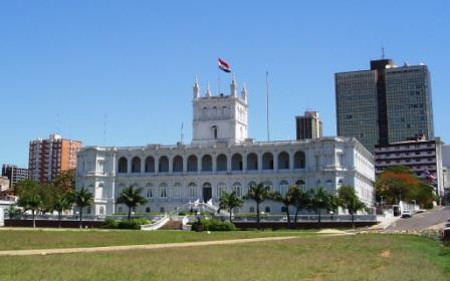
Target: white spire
{"points": [[208, 91], [196, 88], [233, 87], [244, 92]]}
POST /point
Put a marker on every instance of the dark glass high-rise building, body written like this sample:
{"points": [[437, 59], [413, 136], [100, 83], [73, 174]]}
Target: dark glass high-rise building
{"points": [[385, 104]]}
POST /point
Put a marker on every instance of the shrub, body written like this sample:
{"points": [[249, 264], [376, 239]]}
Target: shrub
{"points": [[110, 224], [212, 225]]}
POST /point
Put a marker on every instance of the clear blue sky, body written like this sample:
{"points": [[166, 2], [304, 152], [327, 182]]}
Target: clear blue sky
{"points": [[64, 65]]}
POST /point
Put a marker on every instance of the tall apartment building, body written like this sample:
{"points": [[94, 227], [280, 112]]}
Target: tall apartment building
{"points": [[14, 174], [309, 126], [423, 157], [49, 157], [385, 104]]}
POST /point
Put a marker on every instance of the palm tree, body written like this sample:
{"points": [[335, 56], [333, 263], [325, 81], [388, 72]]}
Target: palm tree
{"points": [[302, 200], [320, 200], [350, 201], [287, 200], [131, 197], [62, 202], [259, 193], [230, 201], [82, 198], [31, 201]]}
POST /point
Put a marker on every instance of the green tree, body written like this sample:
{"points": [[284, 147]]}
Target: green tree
{"points": [[259, 193], [321, 199], [302, 200], [29, 197], [62, 201], [131, 197], [82, 198], [350, 201], [288, 199], [229, 201]]}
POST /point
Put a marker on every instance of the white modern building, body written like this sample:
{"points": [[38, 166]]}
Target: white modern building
{"points": [[221, 157]]}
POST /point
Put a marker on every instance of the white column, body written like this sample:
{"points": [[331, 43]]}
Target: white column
{"points": [[260, 165], [291, 161]]}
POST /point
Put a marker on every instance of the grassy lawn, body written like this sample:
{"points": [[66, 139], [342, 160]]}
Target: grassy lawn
{"points": [[45, 239], [310, 257]]}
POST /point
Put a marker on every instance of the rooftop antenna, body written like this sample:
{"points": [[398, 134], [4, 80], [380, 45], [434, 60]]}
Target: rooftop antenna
{"points": [[267, 105], [382, 53]]}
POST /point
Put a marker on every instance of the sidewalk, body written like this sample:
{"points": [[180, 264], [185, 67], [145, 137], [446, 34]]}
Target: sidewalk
{"points": [[138, 247]]}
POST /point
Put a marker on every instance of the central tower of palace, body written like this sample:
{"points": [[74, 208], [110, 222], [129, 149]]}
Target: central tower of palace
{"points": [[219, 119]]}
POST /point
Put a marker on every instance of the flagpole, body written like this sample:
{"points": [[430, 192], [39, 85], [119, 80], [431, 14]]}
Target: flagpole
{"points": [[267, 105]]}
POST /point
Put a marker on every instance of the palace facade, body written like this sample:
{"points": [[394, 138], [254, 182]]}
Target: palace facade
{"points": [[220, 158]]}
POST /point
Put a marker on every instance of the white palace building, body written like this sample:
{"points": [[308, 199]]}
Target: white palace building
{"points": [[221, 157]]}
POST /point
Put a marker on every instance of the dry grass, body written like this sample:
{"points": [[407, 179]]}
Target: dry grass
{"points": [[308, 258]]}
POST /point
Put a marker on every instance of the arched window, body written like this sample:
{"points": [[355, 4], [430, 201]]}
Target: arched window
{"points": [[283, 161], [284, 187], [192, 165], [267, 209], [214, 112], [102, 210], [120, 209], [300, 184], [163, 190], [252, 183], [100, 189], [267, 161], [251, 209], [162, 210], [192, 189], [236, 162], [148, 210], [163, 164], [340, 182], [177, 164], [214, 132], [123, 165], [221, 189], [150, 164], [299, 160], [221, 163], [252, 162], [136, 165], [149, 189], [177, 190], [207, 163], [237, 187], [205, 112], [283, 209]]}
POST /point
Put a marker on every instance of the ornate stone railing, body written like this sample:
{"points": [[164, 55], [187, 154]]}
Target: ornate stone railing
{"points": [[156, 225]]}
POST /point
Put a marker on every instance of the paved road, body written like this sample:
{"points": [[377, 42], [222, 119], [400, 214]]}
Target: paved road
{"points": [[427, 219]]}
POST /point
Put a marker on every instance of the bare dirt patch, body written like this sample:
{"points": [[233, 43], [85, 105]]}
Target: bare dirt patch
{"points": [[385, 254]]}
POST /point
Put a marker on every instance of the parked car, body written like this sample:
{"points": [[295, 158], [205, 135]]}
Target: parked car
{"points": [[406, 214]]}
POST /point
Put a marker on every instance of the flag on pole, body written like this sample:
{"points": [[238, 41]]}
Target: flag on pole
{"points": [[429, 176], [224, 66]]}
